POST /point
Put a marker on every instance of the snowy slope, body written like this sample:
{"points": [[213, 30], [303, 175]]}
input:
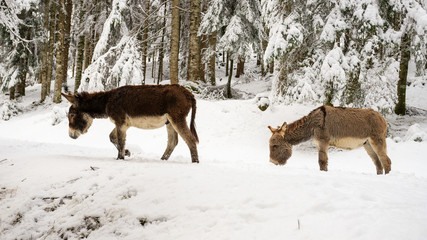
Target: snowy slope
{"points": [[55, 187]]}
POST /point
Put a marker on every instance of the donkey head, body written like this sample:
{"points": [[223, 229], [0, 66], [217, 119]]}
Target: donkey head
{"points": [[280, 150], [79, 121]]}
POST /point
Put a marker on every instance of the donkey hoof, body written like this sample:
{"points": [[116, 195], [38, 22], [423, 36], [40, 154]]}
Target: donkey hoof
{"points": [[127, 153], [165, 157]]}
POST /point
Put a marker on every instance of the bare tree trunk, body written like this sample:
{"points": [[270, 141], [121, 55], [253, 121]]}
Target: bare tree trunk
{"points": [[264, 47], [86, 53], [67, 39], [91, 38], [240, 66], [52, 40], [80, 51], [153, 64], [12, 93], [405, 56], [94, 37], [230, 75], [175, 38], [144, 41], [211, 68], [203, 46], [226, 64], [272, 67], [161, 50], [43, 71], [79, 62], [22, 83], [194, 42], [23, 74], [60, 53]]}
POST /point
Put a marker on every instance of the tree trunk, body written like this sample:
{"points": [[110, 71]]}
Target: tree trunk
{"points": [[43, 71], [80, 50], [60, 52], [79, 62], [203, 46], [52, 40], [12, 93], [194, 42], [161, 50], [405, 55], [153, 64], [67, 39], [94, 37], [175, 38], [211, 67], [272, 67], [264, 44], [226, 64], [240, 67], [24, 70], [86, 53], [144, 41], [22, 83], [230, 75]]}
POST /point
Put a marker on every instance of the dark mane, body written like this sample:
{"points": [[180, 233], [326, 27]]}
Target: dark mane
{"points": [[296, 124], [302, 121], [93, 103]]}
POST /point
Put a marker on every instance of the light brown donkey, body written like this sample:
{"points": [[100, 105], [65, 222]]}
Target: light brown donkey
{"points": [[346, 128]]}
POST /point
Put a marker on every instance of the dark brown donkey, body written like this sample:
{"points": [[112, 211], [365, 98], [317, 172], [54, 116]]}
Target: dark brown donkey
{"points": [[346, 128], [146, 107]]}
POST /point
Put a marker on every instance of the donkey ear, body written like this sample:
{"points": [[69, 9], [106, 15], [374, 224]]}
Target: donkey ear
{"points": [[273, 130], [283, 129], [71, 98], [284, 125]]}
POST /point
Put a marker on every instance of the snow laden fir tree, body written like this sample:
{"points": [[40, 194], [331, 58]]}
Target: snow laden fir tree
{"points": [[345, 53], [352, 53]]}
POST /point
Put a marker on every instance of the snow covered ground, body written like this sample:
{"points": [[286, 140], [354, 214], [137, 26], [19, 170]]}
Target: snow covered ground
{"points": [[54, 187]]}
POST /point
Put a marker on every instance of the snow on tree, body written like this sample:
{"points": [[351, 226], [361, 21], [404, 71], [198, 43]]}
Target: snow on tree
{"points": [[114, 28], [119, 66], [9, 10], [238, 24], [341, 52], [19, 32]]}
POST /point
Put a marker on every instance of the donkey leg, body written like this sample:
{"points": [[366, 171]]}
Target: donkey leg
{"points": [[374, 157], [323, 156], [172, 141], [380, 147], [115, 141], [121, 140], [182, 128]]}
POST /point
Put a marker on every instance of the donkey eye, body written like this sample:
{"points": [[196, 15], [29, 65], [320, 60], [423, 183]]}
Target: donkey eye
{"points": [[72, 115]]}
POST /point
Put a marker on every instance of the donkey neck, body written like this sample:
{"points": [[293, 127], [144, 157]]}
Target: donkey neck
{"points": [[299, 131], [303, 129], [94, 104]]}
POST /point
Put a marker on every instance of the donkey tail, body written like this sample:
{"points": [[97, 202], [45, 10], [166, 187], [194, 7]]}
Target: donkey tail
{"points": [[193, 116]]}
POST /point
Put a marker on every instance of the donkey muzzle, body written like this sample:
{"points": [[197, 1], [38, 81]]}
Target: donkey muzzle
{"points": [[74, 134], [274, 161]]}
